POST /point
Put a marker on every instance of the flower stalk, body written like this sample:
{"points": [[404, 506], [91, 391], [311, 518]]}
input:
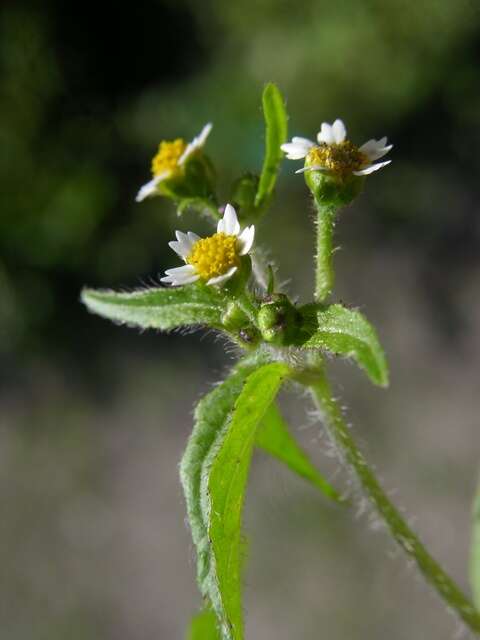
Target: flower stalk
{"points": [[340, 435], [324, 275]]}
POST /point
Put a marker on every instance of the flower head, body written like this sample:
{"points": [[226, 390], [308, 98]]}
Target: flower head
{"points": [[213, 259], [336, 155], [170, 160]]}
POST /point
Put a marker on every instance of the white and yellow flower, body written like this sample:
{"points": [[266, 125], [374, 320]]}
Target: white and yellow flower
{"points": [[170, 160], [214, 259], [335, 154]]}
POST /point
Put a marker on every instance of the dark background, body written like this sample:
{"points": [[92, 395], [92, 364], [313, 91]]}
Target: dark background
{"points": [[94, 417]]}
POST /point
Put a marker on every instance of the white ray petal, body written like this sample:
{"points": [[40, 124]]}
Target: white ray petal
{"points": [[196, 143], [375, 149], [326, 134], [193, 237], [184, 242], [312, 168], [245, 240], [297, 148], [229, 223], [339, 131], [186, 269], [371, 168], [150, 188], [178, 282], [179, 249], [180, 275], [225, 276]]}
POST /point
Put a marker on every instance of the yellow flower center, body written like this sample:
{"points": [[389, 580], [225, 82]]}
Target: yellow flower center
{"points": [[168, 155], [339, 158], [214, 256]]}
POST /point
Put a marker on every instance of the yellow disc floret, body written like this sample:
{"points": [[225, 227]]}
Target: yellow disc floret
{"points": [[339, 158], [214, 256], [168, 155]]}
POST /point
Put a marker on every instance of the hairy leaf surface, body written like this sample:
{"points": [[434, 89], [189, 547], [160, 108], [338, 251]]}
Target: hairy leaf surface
{"points": [[274, 437], [348, 333], [276, 132], [159, 308]]}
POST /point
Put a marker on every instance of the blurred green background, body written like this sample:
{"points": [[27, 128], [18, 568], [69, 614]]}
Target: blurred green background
{"points": [[94, 417]]}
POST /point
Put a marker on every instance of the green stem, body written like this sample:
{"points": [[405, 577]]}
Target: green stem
{"points": [[324, 277], [433, 573]]}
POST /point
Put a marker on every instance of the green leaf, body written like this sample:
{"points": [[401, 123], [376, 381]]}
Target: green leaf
{"points": [[223, 491], [274, 437], [204, 626], [211, 416], [159, 308], [475, 552], [348, 333], [276, 131]]}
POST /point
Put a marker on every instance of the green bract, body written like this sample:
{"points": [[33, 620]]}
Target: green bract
{"points": [[279, 341]]}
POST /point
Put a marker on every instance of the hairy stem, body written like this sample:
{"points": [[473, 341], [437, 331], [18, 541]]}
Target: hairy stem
{"points": [[324, 276], [433, 573]]}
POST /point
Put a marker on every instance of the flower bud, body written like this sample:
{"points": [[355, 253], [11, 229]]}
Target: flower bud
{"points": [[331, 190], [278, 320]]}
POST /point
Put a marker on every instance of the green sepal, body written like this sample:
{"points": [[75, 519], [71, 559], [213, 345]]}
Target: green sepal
{"points": [[276, 133], [278, 320], [159, 307], [204, 626], [346, 332], [331, 191], [274, 437], [196, 180]]}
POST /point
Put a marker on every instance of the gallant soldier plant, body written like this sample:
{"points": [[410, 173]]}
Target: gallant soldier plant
{"points": [[278, 341]]}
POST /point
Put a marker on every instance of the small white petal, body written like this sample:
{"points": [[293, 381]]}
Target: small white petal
{"points": [[196, 143], [203, 135], [339, 131], [306, 142], [229, 223], [150, 188], [297, 148], [223, 277], [186, 269], [180, 275], [245, 240], [179, 249], [326, 134], [375, 149], [185, 243], [312, 168], [193, 237], [371, 168], [178, 282]]}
